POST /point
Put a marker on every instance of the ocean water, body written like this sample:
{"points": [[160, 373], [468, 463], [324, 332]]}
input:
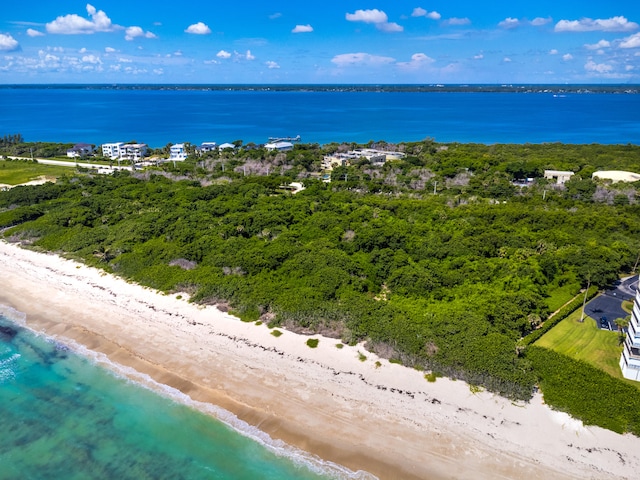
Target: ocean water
{"points": [[63, 416], [160, 116]]}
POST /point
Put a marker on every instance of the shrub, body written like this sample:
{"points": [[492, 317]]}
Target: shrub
{"points": [[313, 342], [276, 333]]}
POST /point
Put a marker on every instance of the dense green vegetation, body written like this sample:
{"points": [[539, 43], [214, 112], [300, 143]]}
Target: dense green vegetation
{"points": [[448, 282], [586, 392]]}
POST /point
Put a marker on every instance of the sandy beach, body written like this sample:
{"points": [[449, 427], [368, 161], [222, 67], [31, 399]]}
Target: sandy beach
{"points": [[378, 417]]}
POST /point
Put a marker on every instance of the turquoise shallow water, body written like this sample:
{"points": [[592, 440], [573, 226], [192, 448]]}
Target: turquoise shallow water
{"points": [[63, 416]]}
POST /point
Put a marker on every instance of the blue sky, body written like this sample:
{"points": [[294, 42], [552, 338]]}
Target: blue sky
{"points": [[372, 41]]}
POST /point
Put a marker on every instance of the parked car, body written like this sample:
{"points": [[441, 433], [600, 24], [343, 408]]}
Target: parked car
{"points": [[603, 322]]}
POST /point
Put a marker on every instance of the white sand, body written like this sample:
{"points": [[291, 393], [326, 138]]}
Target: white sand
{"points": [[387, 420]]}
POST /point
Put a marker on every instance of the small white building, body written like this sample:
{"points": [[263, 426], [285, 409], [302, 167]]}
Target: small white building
{"points": [[80, 150], [279, 146], [177, 152], [226, 146], [559, 176], [112, 150], [630, 358]]}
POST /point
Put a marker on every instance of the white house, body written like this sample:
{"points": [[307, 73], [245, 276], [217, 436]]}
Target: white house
{"points": [[112, 150], [279, 146], [559, 176], [630, 358], [225, 146], [133, 151], [207, 147], [80, 150], [177, 152]]}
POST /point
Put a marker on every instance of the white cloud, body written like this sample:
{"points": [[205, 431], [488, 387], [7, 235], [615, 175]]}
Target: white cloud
{"points": [[82, 50], [223, 54], [158, 71], [368, 16], [34, 33], [302, 29], [177, 53], [632, 41], [567, 56], [509, 22], [271, 64], [457, 21], [479, 56], [417, 60], [539, 21], [553, 51], [91, 59], [248, 55], [628, 68], [198, 29], [137, 32], [350, 59], [273, 16], [8, 43], [598, 46], [421, 12], [109, 49], [376, 17], [125, 60], [75, 24], [506, 60], [389, 27], [613, 24], [594, 67]]}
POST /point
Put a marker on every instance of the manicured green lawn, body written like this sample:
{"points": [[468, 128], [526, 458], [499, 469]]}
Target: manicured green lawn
{"points": [[15, 173], [585, 341]]}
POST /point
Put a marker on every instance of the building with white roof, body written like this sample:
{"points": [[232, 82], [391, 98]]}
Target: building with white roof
{"points": [[279, 146], [177, 152], [112, 150], [560, 176]]}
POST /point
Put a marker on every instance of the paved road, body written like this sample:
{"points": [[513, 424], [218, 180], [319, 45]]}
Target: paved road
{"points": [[609, 303], [71, 164]]}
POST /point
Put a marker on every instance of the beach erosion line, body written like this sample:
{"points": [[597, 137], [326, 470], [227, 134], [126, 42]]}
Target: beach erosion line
{"points": [[367, 415]]}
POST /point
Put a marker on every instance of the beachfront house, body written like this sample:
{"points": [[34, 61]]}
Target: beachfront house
{"points": [[177, 152], [559, 176], [80, 150], [112, 150], [206, 147], [227, 146], [279, 146], [630, 358], [133, 152]]}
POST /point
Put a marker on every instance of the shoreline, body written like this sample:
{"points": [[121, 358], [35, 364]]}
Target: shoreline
{"points": [[387, 419]]}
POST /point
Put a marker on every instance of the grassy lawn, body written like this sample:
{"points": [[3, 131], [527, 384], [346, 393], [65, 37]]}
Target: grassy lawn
{"points": [[15, 173], [585, 341]]}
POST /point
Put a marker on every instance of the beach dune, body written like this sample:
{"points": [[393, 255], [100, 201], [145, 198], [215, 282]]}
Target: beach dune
{"points": [[377, 417]]}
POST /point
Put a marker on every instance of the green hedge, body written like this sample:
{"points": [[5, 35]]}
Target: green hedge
{"points": [[585, 392]]}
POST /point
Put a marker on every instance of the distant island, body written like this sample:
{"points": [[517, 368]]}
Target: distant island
{"points": [[471, 88]]}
